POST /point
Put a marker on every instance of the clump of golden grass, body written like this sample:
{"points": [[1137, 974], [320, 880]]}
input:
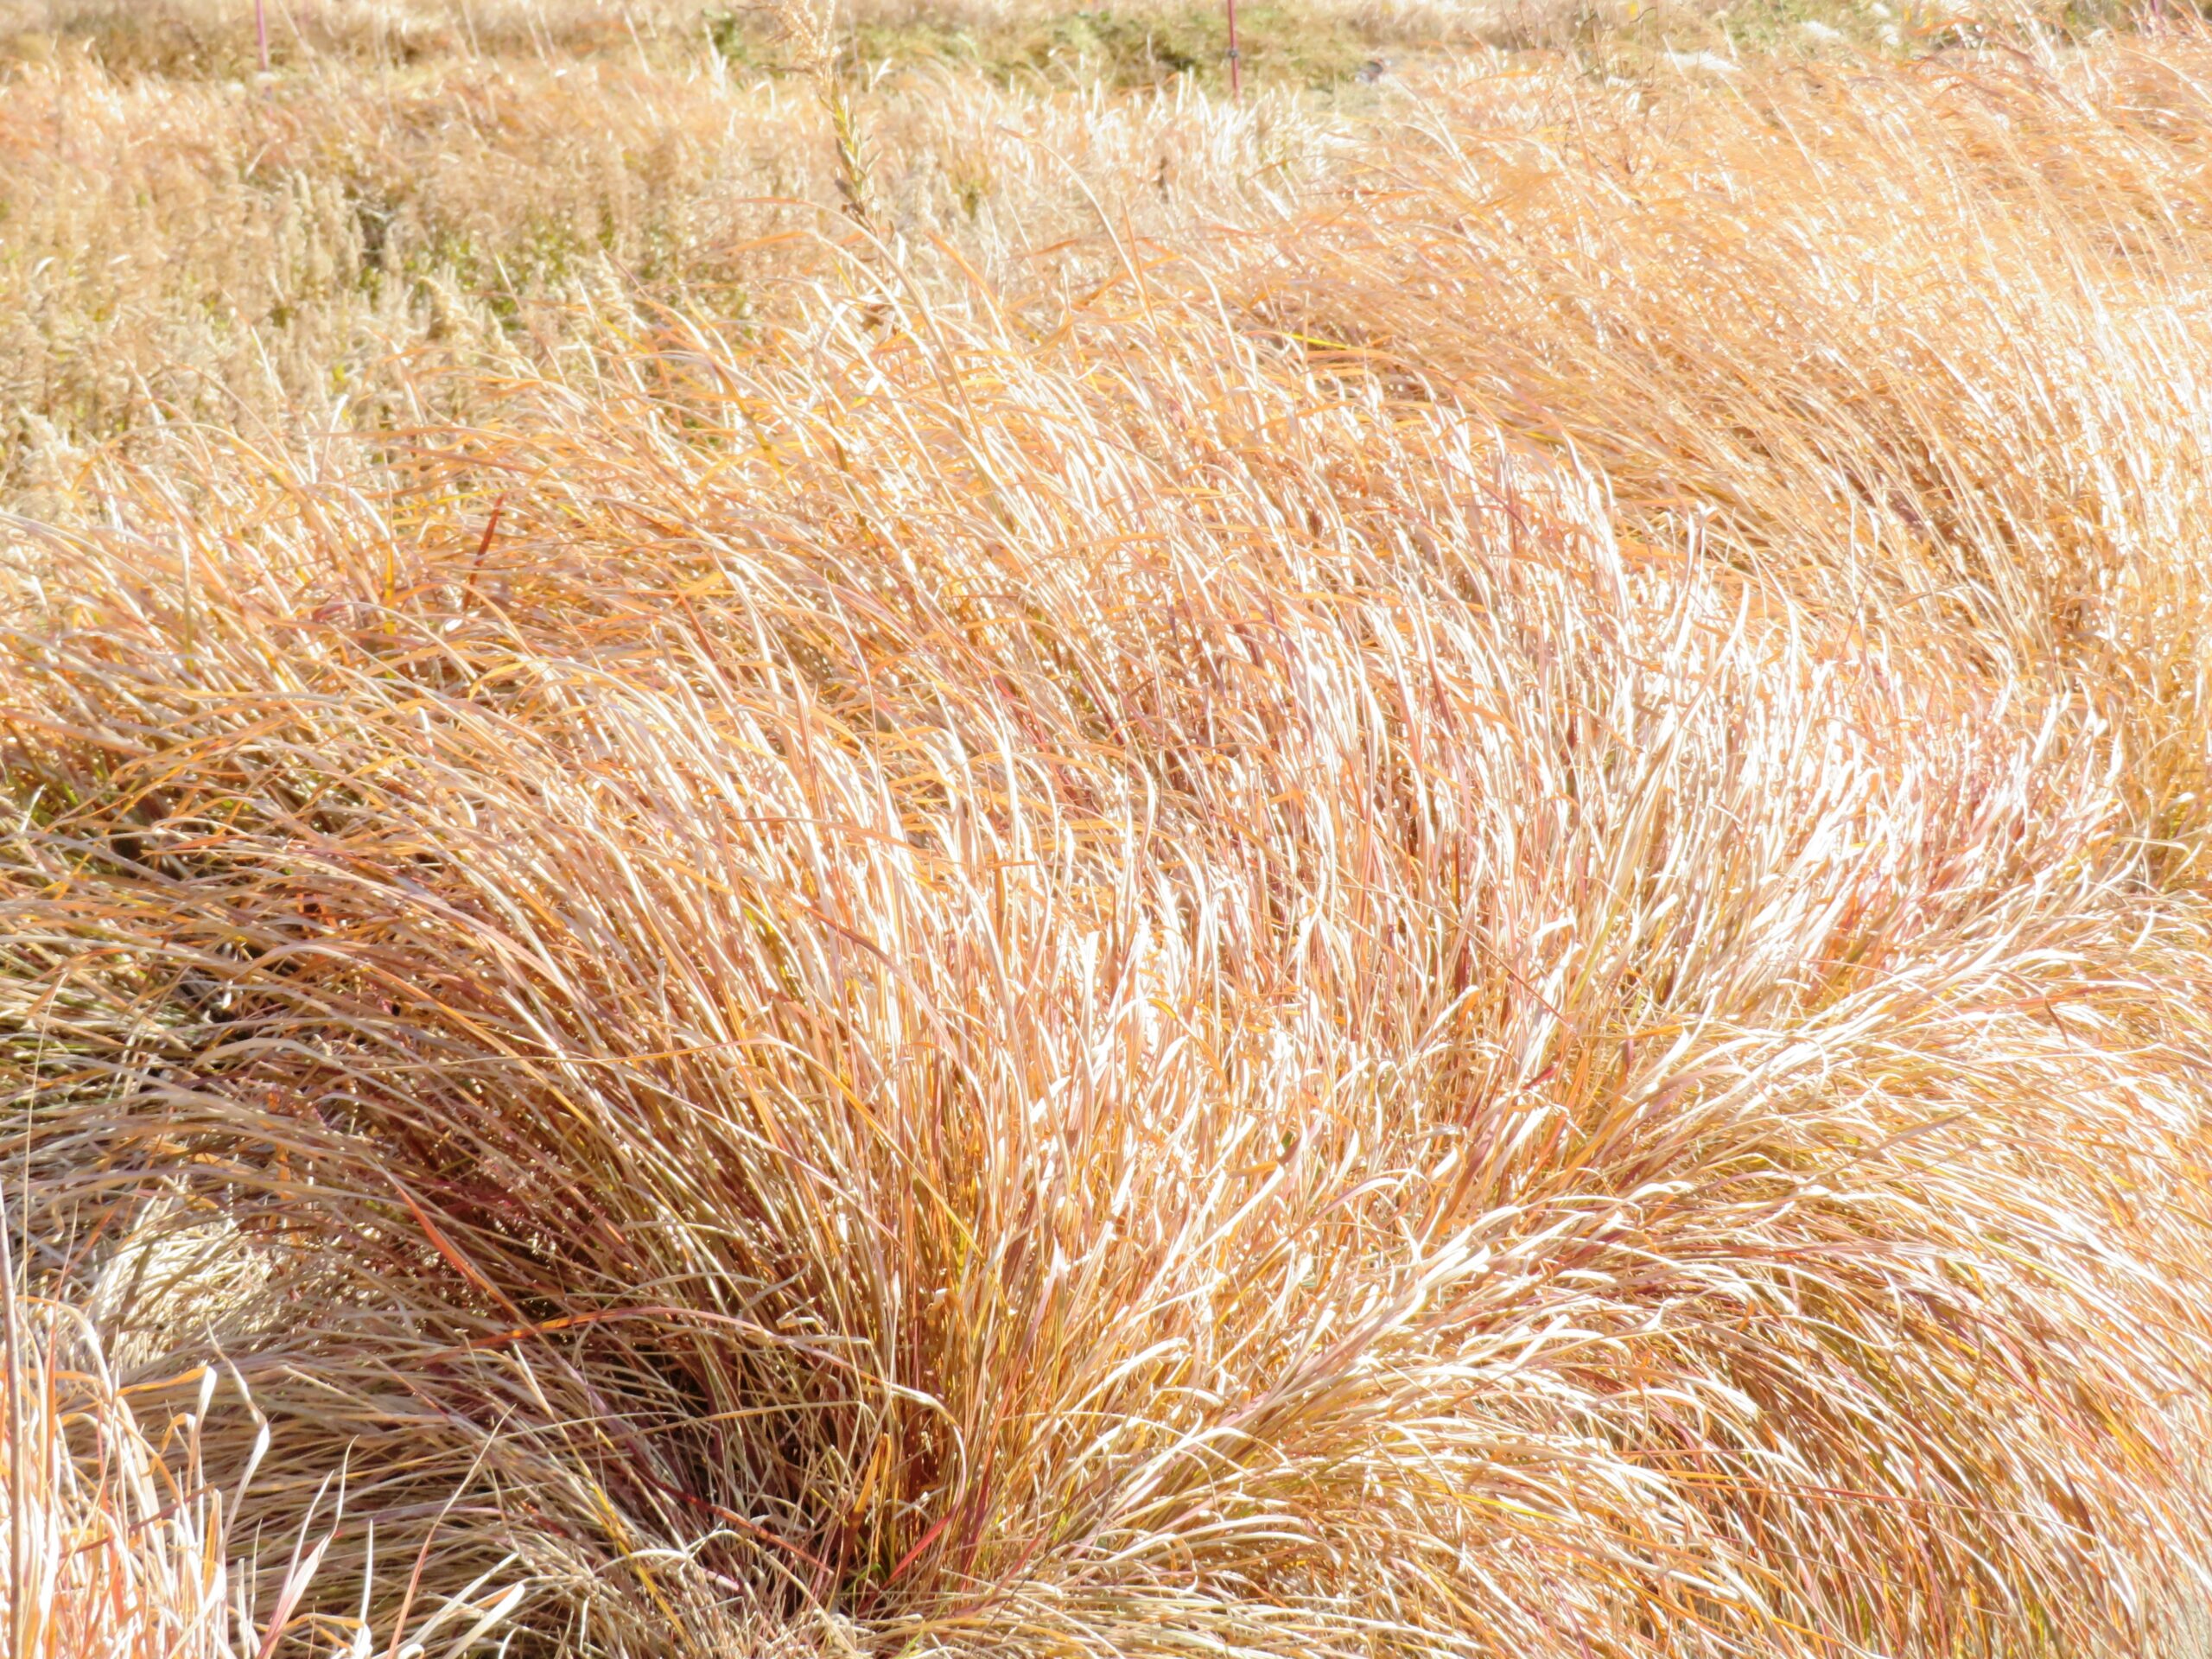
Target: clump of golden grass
{"points": [[113, 1547], [1417, 932], [1924, 349], [120, 1545]]}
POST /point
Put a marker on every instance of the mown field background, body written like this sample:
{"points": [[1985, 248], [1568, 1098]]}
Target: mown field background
{"points": [[863, 834]]}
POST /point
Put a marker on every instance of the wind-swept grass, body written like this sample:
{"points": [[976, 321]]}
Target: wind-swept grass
{"points": [[1469, 921]]}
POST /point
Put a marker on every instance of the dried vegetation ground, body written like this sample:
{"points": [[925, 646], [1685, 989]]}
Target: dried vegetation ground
{"points": [[967, 858]]}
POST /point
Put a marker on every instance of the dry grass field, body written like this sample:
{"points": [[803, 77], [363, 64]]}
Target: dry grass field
{"points": [[867, 835]]}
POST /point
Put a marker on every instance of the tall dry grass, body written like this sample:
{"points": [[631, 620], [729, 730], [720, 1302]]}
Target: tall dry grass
{"points": [[1139, 40], [332, 249], [194, 38], [1928, 350], [121, 1546], [1467, 917]]}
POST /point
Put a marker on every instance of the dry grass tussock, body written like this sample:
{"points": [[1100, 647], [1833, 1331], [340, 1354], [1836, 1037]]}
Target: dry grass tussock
{"points": [[1468, 918]]}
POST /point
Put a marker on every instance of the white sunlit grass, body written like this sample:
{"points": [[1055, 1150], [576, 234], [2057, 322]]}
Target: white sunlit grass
{"points": [[1466, 921]]}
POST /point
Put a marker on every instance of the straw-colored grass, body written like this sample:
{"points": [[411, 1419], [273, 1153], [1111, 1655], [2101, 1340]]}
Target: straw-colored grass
{"points": [[1451, 904], [124, 1546], [1135, 42], [331, 245]]}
